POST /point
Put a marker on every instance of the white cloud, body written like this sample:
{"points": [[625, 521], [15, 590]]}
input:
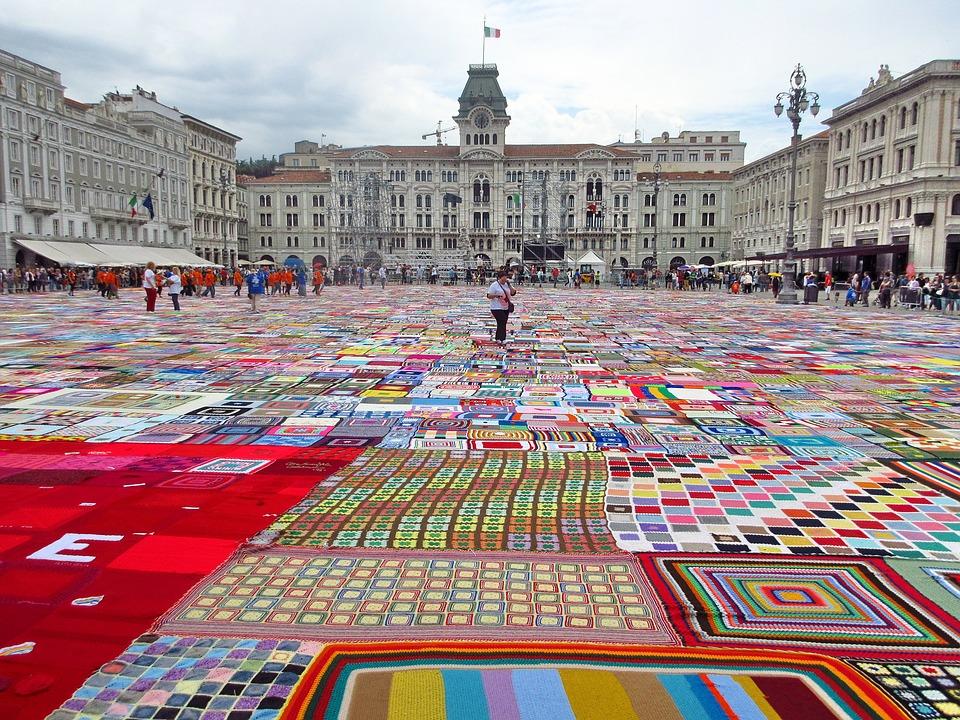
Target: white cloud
{"points": [[385, 72]]}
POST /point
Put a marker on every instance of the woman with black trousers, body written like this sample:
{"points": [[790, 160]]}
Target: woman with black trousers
{"points": [[499, 294]]}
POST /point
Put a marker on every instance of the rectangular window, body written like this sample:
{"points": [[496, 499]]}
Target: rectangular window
{"points": [[724, 157]]}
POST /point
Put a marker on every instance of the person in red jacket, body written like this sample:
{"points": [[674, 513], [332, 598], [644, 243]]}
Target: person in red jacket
{"points": [[209, 284]]}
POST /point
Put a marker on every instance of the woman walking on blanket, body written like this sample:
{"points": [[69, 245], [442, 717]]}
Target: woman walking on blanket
{"points": [[499, 294]]}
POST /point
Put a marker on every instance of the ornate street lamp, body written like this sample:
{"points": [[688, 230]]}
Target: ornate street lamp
{"points": [[657, 185], [798, 100], [224, 186]]}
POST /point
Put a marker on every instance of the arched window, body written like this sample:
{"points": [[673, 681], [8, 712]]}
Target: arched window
{"points": [[589, 189], [468, 138], [626, 201], [494, 138], [914, 113], [903, 117], [847, 143], [955, 205], [883, 125], [705, 200], [876, 212], [486, 191], [598, 189], [896, 208], [477, 190], [429, 175], [402, 200], [419, 201], [863, 135], [909, 207], [859, 213], [873, 129]]}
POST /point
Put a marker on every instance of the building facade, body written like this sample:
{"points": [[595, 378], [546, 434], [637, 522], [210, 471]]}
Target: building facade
{"points": [[287, 217], [308, 155], [761, 191], [68, 169], [213, 176], [486, 201], [892, 194]]}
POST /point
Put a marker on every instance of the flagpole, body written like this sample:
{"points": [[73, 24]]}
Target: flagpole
{"points": [[483, 45]]}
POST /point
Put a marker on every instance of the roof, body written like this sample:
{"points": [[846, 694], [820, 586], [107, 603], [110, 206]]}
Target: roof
{"points": [[689, 175], [209, 126], [403, 151], [482, 88], [823, 135], [76, 104], [428, 152], [293, 177], [562, 150]]}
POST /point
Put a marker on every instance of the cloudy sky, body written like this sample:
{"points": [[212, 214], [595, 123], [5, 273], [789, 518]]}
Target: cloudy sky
{"points": [[365, 72]]}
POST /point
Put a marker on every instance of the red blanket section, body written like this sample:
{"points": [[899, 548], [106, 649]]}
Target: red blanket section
{"points": [[136, 524]]}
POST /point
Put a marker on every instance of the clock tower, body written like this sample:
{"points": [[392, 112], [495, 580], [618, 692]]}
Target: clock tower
{"points": [[483, 115]]}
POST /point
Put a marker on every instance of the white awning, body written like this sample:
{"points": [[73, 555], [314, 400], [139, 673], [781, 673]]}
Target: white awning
{"points": [[64, 253], [182, 258], [124, 254], [103, 254], [591, 258]]}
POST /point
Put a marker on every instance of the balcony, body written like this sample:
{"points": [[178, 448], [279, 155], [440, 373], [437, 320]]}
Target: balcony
{"points": [[98, 213], [40, 205]]}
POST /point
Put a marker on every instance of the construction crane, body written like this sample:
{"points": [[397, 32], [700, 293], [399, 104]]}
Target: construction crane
{"points": [[439, 132]]}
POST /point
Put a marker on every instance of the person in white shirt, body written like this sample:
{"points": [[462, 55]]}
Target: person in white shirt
{"points": [[176, 287], [499, 294], [150, 286], [383, 277]]}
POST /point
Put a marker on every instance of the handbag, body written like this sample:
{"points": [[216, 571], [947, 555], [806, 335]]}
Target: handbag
{"points": [[510, 306]]}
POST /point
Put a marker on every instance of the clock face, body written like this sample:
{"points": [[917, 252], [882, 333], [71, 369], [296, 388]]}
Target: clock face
{"points": [[481, 120]]}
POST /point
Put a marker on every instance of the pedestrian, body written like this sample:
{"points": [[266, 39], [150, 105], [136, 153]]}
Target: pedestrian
{"points": [[317, 280], [237, 282], [209, 284], [383, 277], [150, 286], [361, 271], [254, 289], [866, 285], [499, 294], [175, 284], [886, 290], [302, 281]]}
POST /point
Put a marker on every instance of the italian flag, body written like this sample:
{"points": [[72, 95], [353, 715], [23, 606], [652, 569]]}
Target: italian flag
{"points": [[133, 205], [491, 32]]}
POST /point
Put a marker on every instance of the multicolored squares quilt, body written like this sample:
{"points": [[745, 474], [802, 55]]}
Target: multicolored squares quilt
{"points": [[646, 504]]}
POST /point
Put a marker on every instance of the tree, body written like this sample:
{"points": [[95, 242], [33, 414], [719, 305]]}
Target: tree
{"points": [[258, 168]]}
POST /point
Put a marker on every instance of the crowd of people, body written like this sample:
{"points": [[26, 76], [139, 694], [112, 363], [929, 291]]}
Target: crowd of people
{"points": [[935, 292]]}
